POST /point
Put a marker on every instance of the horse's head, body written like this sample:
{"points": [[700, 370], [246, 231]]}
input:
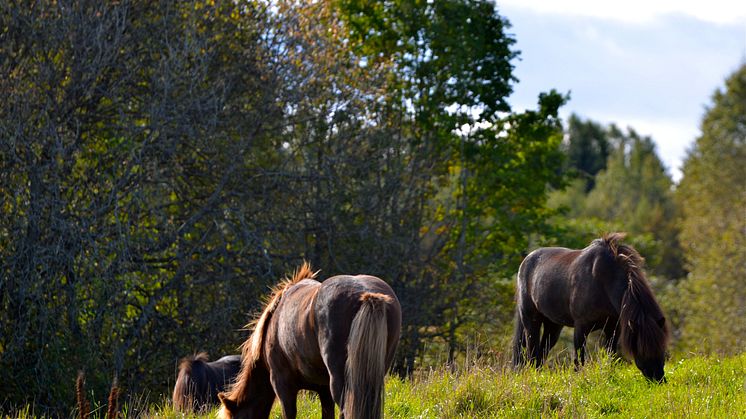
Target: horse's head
{"points": [[651, 358], [652, 368], [254, 406]]}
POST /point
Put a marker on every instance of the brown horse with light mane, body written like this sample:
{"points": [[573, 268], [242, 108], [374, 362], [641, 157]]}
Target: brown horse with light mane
{"points": [[199, 381], [336, 338]]}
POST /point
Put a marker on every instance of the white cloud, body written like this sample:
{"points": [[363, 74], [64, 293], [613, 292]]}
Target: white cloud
{"points": [[638, 11]]}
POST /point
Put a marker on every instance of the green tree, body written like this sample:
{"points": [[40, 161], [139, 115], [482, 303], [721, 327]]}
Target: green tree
{"points": [[712, 196], [635, 192], [632, 193], [587, 148], [162, 163], [451, 75]]}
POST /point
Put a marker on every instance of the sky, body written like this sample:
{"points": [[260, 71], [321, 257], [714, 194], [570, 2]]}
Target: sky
{"points": [[650, 65]]}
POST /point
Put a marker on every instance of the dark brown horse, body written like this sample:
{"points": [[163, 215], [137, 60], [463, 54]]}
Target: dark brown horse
{"points": [[600, 287], [199, 381], [336, 338]]}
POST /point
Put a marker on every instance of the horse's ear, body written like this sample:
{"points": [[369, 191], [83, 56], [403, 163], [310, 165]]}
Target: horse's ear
{"points": [[662, 322], [227, 403]]}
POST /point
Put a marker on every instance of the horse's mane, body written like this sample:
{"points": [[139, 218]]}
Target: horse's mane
{"points": [[641, 334], [251, 349]]}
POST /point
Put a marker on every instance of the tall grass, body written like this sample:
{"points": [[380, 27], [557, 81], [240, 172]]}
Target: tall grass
{"points": [[697, 387]]}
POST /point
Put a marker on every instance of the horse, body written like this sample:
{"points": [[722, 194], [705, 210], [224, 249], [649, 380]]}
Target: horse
{"points": [[199, 381], [336, 338], [602, 286]]}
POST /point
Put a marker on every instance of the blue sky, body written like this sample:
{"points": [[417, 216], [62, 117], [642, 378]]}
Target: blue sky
{"points": [[650, 65]]}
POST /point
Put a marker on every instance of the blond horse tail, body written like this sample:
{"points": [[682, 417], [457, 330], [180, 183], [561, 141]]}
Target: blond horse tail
{"points": [[366, 358]]}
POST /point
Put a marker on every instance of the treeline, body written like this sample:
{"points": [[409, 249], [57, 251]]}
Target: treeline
{"points": [[163, 164]]}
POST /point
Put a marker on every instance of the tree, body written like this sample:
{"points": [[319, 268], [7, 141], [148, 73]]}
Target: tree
{"points": [[712, 196], [473, 161], [129, 138], [587, 148], [630, 192], [635, 192]]}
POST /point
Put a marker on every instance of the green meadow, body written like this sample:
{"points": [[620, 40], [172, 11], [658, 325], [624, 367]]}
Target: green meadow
{"points": [[696, 387]]}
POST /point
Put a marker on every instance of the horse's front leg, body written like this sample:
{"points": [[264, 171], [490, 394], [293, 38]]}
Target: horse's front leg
{"points": [[287, 393], [579, 339], [327, 402]]}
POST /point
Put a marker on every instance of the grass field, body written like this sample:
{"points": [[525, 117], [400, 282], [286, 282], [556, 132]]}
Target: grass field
{"points": [[697, 387]]}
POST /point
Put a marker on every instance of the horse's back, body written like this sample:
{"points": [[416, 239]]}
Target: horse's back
{"points": [[546, 267], [341, 287], [224, 370], [228, 361], [567, 284]]}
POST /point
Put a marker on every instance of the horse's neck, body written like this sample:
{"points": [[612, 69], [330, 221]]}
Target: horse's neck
{"points": [[255, 382]]}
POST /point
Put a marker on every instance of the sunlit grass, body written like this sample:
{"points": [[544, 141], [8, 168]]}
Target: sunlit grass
{"points": [[608, 387]]}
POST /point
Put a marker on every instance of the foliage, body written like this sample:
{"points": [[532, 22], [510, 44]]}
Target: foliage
{"points": [[123, 135], [587, 148], [712, 195], [163, 164], [635, 191], [451, 72]]}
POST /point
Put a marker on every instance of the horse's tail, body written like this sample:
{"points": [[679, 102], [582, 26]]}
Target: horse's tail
{"points": [[366, 358], [519, 342], [188, 388], [519, 335]]}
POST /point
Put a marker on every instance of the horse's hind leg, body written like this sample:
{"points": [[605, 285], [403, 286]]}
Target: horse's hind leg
{"points": [[519, 343], [548, 339], [336, 366], [532, 329], [327, 405]]}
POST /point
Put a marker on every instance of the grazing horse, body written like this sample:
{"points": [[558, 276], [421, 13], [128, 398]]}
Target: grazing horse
{"points": [[600, 287], [199, 381], [336, 337]]}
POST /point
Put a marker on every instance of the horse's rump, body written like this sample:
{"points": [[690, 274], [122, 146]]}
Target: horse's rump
{"points": [[199, 381]]}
